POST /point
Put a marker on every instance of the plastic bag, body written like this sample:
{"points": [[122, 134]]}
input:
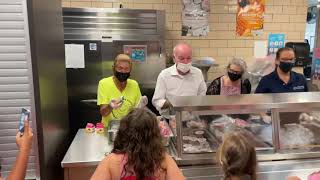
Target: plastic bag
{"points": [[258, 68]]}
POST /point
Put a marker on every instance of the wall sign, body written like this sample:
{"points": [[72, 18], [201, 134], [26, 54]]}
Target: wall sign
{"points": [[275, 41], [137, 53], [250, 17], [316, 74], [195, 15], [92, 46]]}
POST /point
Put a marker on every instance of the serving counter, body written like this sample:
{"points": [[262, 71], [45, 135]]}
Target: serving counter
{"points": [[287, 145], [282, 126]]}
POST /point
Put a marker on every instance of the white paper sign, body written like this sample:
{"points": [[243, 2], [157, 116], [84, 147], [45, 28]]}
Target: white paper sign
{"points": [[260, 49], [74, 54]]}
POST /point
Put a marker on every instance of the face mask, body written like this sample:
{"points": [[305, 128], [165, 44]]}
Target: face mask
{"points": [[184, 67], [286, 66], [234, 76], [121, 76]]}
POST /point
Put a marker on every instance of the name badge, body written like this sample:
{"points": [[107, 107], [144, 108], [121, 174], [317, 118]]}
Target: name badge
{"points": [[298, 87]]}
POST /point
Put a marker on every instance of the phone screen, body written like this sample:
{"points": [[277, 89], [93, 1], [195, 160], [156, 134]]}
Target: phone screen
{"points": [[25, 113]]}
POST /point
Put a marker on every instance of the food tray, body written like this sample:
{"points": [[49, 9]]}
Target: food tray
{"points": [[192, 141]]}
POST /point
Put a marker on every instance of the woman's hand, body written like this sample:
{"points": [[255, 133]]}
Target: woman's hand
{"points": [[24, 142]]}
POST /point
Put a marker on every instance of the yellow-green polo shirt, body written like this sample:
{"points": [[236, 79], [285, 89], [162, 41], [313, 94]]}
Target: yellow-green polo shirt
{"points": [[107, 90]]}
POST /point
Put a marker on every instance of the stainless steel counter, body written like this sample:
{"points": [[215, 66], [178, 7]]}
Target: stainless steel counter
{"points": [[247, 102], [87, 149], [274, 170], [85, 153]]}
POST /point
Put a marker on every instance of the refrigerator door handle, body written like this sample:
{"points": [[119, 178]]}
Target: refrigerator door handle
{"points": [[106, 39]]}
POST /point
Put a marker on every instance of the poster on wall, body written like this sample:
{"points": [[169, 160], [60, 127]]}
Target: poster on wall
{"points": [[137, 53], [250, 17], [195, 14], [316, 74], [275, 41]]}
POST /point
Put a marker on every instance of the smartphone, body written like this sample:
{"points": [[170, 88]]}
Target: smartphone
{"points": [[25, 114]]}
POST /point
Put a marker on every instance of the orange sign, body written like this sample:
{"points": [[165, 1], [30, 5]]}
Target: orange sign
{"points": [[250, 17]]}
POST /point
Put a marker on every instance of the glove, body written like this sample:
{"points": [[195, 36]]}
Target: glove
{"points": [[142, 102], [267, 119], [167, 105], [115, 103]]}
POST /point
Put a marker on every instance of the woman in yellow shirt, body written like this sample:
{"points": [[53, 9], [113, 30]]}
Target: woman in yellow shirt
{"points": [[118, 95]]}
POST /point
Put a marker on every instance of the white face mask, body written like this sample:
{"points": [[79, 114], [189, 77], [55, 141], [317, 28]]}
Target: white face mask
{"points": [[184, 67]]}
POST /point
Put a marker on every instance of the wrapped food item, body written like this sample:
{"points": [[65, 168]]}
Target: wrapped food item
{"points": [[90, 128], [100, 128], [217, 126], [220, 122], [188, 148], [165, 131], [194, 141], [198, 124], [198, 140], [199, 133], [185, 139], [196, 145], [240, 122], [310, 118], [219, 130], [296, 136], [173, 124]]}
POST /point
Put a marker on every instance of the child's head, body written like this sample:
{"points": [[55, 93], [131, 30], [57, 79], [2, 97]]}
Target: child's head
{"points": [[237, 156]]}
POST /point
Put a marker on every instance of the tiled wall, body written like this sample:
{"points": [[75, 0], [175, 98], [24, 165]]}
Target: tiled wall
{"points": [[282, 16]]}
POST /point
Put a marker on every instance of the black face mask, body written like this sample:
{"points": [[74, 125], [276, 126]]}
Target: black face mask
{"points": [[234, 76], [286, 66], [122, 77]]}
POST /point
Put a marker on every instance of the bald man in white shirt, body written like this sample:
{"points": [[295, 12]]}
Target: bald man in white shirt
{"points": [[181, 79]]}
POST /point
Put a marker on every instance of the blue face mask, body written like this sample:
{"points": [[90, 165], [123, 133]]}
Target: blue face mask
{"points": [[286, 66]]}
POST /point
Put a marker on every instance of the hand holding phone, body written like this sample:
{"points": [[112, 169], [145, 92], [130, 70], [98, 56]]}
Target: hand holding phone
{"points": [[116, 103], [25, 114], [24, 141]]}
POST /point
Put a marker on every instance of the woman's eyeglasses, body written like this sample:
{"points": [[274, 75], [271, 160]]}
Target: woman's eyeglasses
{"points": [[234, 72]]}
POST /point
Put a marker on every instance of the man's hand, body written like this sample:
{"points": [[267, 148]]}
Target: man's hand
{"points": [[24, 142]]}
